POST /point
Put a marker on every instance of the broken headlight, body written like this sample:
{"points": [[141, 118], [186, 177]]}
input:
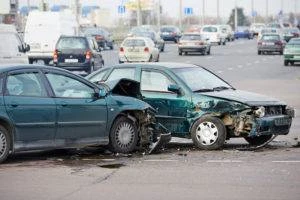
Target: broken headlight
{"points": [[260, 111]]}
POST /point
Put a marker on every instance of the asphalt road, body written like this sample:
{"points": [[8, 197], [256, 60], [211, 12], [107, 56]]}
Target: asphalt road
{"points": [[180, 171]]}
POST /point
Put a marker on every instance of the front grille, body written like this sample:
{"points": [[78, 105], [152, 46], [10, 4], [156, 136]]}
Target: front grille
{"points": [[273, 110]]}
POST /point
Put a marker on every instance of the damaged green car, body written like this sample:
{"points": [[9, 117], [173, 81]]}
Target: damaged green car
{"points": [[192, 102]]}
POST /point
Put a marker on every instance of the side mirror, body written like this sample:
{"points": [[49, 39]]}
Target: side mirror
{"points": [[174, 88], [101, 93], [27, 47]]}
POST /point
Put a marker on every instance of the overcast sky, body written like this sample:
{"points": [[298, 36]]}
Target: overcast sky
{"points": [[171, 7]]}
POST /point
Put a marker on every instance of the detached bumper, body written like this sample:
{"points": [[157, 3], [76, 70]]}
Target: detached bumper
{"points": [[163, 137]]}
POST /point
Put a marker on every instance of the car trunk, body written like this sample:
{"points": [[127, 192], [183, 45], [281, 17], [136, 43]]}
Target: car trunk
{"points": [[71, 55]]}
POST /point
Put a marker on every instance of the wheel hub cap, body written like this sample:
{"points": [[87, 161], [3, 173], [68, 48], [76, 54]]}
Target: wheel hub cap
{"points": [[2, 143], [207, 133], [125, 134]]}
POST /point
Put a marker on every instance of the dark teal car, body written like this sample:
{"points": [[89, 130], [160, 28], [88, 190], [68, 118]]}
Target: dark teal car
{"points": [[292, 52], [192, 102], [50, 108]]}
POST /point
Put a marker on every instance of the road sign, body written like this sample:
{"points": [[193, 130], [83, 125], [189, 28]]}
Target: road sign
{"points": [[121, 9], [188, 11], [254, 13]]}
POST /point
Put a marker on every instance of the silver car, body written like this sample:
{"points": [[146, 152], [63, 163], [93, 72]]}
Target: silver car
{"points": [[194, 42]]}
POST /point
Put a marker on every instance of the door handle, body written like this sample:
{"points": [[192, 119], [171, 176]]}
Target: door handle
{"points": [[14, 104], [63, 104]]}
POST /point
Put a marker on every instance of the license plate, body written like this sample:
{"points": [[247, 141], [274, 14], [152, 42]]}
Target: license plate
{"points": [[282, 121], [165, 33], [133, 50], [268, 43], [71, 60]]}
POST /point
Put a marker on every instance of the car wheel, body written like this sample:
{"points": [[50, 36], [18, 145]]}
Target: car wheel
{"points": [[123, 136], [219, 43], [258, 140], [259, 52], [208, 133], [180, 53], [157, 60], [292, 63], [281, 52], [286, 63], [5, 143], [224, 43], [185, 53], [30, 60], [120, 62], [162, 48], [208, 52]]}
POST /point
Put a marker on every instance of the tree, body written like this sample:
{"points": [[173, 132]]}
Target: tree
{"points": [[242, 19]]}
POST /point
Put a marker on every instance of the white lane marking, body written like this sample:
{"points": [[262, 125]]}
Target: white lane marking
{"points": [[257, 61], [224, 161], [240, 66], [161, 160], [220, 72], [209, 57], [286, 161], [230, 68]]}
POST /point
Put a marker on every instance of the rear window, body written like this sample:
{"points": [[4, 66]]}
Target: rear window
{"points": [[271, 37], [191, 37], [167, 29], [210, 29], [134, 42], [294, 42], [11, 43], [72, 43]]}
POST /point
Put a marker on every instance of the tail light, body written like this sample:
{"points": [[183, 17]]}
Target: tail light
{"points": [[146, 49], [278, 43], [173, 33], [259, 43], [88, 55], [199, 43], [55, 55], [121, 49], [98, 37]]}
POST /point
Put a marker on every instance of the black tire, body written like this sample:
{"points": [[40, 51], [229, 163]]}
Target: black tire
{"points": [[180, 53], [208, 52], [157, 60], [30, 60], [281, 52], [151, 59], [123, 143], [258, 140], [292, 63], [5, 143], [210, 125], [219, 43], [286, 62], [224, 43], [259, 52], [162, 48]]}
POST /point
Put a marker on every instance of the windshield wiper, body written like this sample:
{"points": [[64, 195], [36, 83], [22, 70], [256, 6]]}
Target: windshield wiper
{"points": [[219, 88], [204, 90]]}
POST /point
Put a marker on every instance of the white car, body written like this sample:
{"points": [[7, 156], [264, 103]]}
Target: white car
{"points": [[138, 49], [256, 28], [214, 33]]}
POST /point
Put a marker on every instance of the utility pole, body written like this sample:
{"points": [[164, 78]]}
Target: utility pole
{"points": [[203, 12], [282, 6], [252, 11], [180, 14], [235, 16], [139, 20], [267, 10], [158, 13], [218, 12]]}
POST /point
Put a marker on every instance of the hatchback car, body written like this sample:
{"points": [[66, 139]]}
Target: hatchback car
{"points": [[159, 43], [270, 43], [193, 42], [77, 53], [195, 103], [102, 36], [292, 52], [49, 108], [214, 33], [170, 33], [138, 49]]}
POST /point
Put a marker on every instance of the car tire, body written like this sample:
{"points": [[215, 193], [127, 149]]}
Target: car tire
{"points": [[259, 52], [123, 135], [162, 48], [258, 140], [208, 133], [224, 42], [281, 52], [180, 53], [208, 52], [157, 60], [5, 144], [286, 63], [292, 63], [219, 43]]}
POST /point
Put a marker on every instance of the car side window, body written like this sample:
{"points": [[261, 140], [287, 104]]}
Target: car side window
{"points": [[67, 87], [155, 81], [98, 77], [25, 84], [119, 73]]}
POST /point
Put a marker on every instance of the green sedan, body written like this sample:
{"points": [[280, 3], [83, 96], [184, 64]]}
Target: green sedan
{"points": [[292, 52], [192, 102], [50, 108]]}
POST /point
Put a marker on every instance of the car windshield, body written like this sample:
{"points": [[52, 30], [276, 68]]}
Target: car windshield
{"points": [[167, 29], [294, 42], [191, 37], [199, 79], [210, 29], [134, 42], [72, 43], [271, 37], [11, 43], [94, 31], [150, 35]]}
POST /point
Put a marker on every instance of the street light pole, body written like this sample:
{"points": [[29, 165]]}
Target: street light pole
{"points": [[180, 14], [138, 13], [235, 16], [203, 12], [252, 11], [267, 10], [218, 10], [158, 13]]}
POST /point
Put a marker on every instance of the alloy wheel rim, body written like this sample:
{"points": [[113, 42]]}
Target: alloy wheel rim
{"points": [[125, 135], [207, 133], [3, 144]]}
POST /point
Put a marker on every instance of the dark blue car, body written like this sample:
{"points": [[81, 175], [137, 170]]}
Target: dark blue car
{"points": [[243, 32]]}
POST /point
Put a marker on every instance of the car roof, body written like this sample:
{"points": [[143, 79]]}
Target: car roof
{"points": [[11, 67], [168, 65]]}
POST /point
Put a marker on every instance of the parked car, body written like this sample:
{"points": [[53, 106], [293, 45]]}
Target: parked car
{"points": [[193, 102], [292, 52], [102, 36], [256, 28], [170, 33], [49, 108], [243, 32], [270, 43], [159, 43], [42, 31], [289, 33], [12, 48], [193, 42], [77, 53], [138, 49], [214, 33]]}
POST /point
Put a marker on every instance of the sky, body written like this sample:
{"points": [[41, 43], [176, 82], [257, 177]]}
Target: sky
{"points": [[171, 7]]}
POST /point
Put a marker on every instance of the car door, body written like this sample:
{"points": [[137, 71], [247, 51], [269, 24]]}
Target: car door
{"points": [[171, 107], [30, 108], [81, 118]]}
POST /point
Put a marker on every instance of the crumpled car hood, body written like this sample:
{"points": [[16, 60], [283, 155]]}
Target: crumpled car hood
{"points": [[248, 98], [125, 87]]}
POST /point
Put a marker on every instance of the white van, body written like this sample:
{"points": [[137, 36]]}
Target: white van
{"points": [[12, 49], [214, 34], [43, 29]]}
